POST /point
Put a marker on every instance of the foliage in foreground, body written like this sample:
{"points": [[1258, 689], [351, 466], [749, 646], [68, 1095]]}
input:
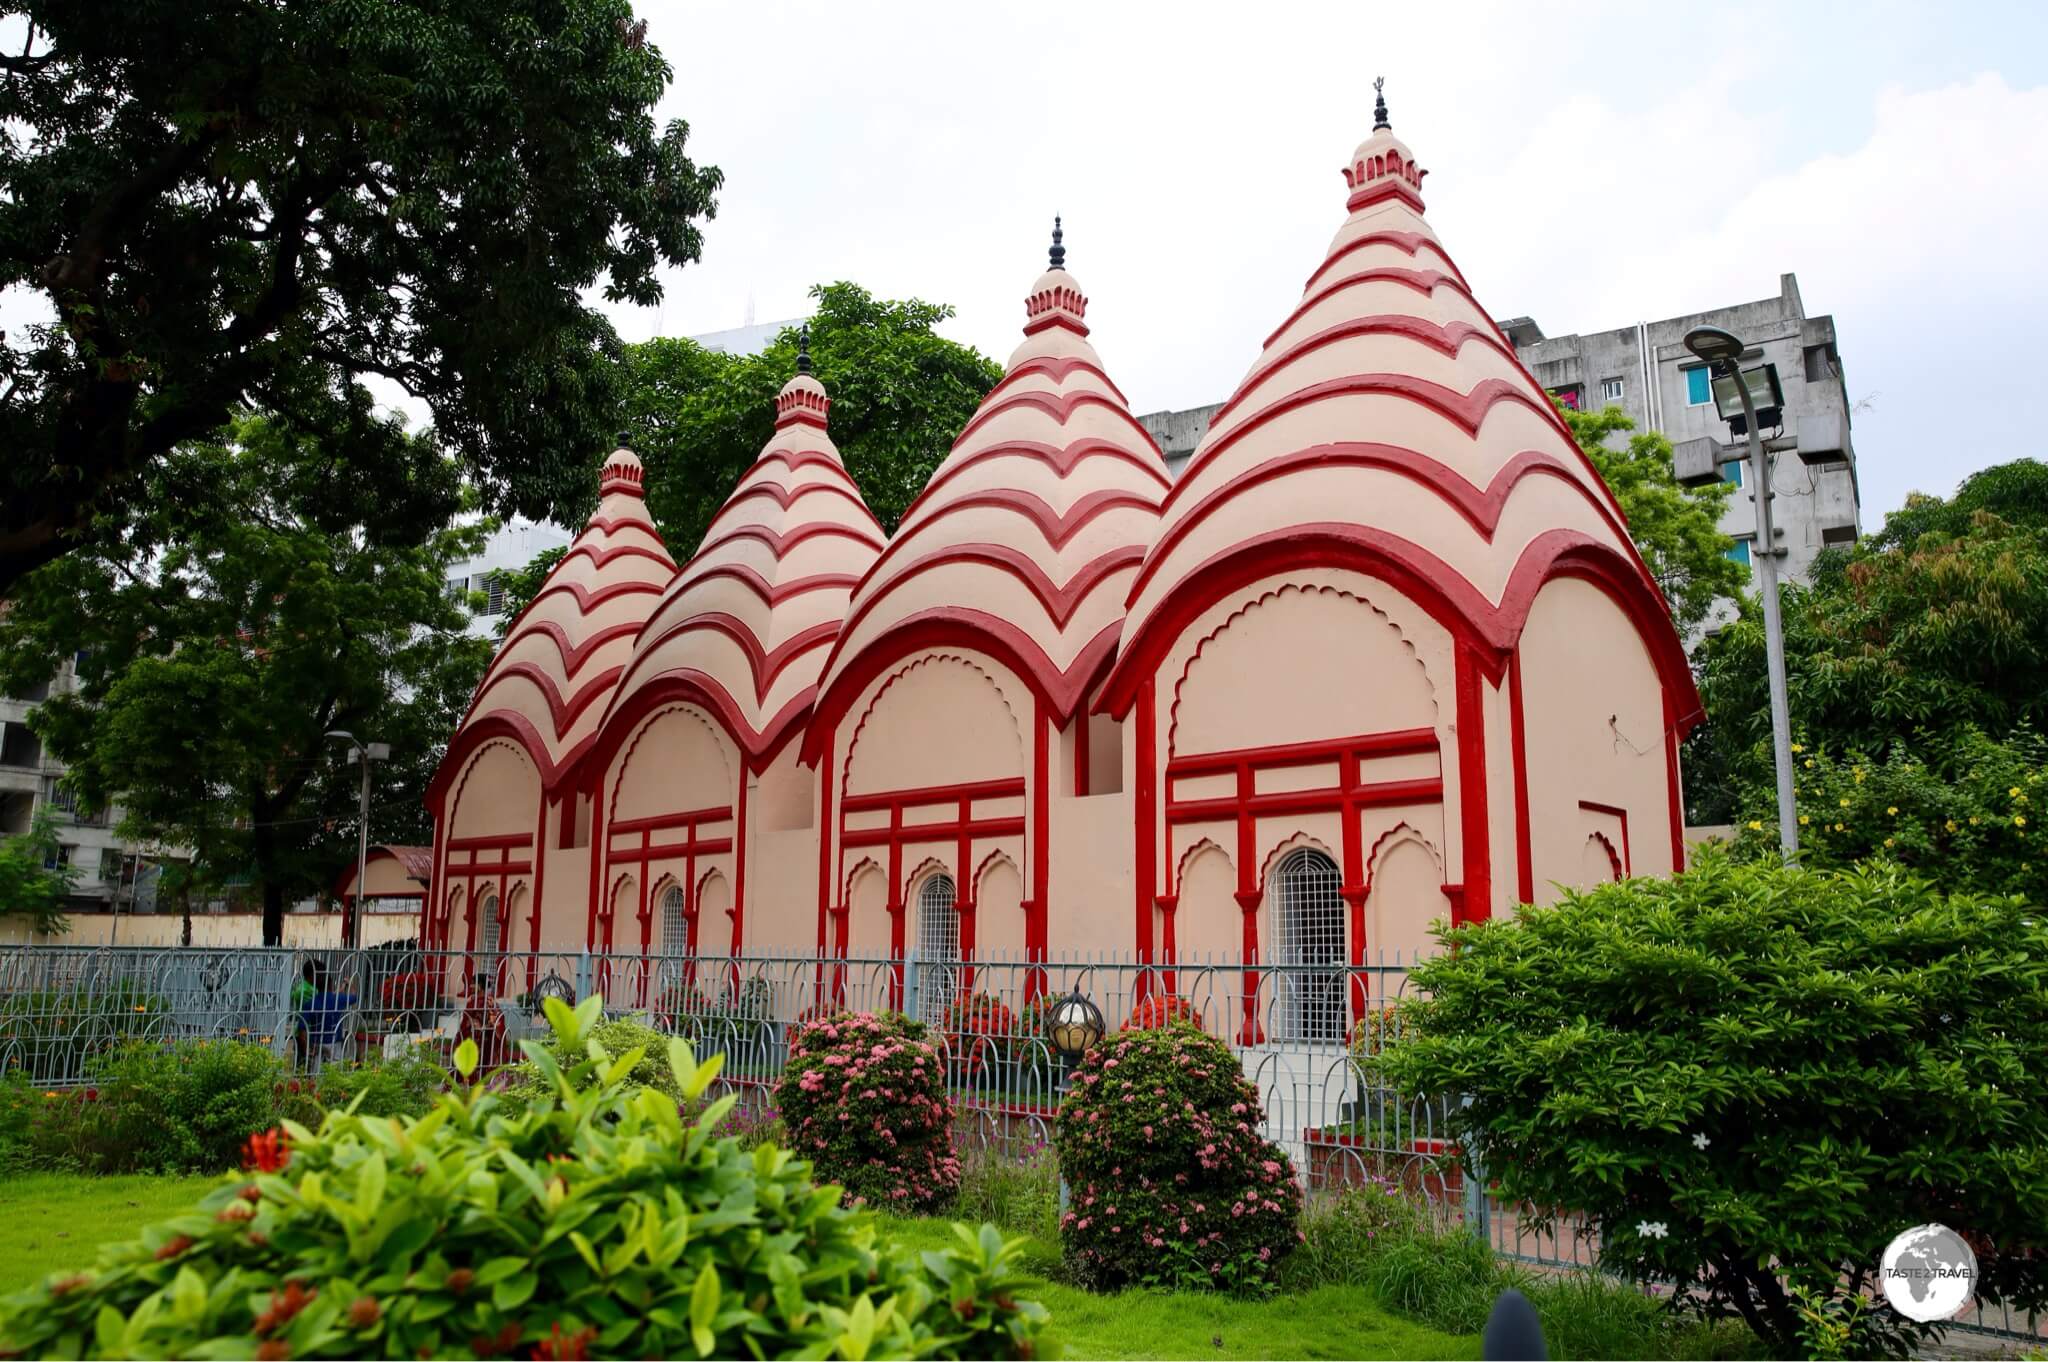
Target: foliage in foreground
{"points": [[864, 1096], [1170, 1182], [596, 1223], [1751, 1078], [35, 880]]}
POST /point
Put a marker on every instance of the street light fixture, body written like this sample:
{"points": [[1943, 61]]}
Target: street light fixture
{"points": [[1722, 351], [364, 753]]}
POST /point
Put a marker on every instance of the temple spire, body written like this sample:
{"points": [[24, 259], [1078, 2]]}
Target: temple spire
{"points": [[1058, 254], [1379, 105], [803, 349]]}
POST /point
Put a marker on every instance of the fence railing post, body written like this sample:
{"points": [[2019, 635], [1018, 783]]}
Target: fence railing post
{"points": [[1478, 1212], [582, 976], [912, 985]]}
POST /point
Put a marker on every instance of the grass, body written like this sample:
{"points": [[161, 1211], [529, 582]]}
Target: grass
{"points": [[57, 1221]]}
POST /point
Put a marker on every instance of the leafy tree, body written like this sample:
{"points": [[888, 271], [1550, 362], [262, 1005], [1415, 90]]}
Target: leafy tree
{"points": [[1935, 626], [1749, 1078], [1676, 528], [218, 652], [270, 201], [900, 395], [32, 884]]}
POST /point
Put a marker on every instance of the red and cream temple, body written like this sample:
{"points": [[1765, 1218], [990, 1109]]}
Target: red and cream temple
{"points": [[1386, 638]]}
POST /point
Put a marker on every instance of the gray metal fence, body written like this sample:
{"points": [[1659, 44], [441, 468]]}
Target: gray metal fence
{"points": [[61, 1006]]}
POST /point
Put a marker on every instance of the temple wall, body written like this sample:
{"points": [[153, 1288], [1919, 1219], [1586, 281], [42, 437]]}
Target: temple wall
{"points": [[1595, 736]]}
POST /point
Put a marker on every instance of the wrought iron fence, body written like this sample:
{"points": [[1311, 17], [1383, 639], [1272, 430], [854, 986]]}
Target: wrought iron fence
{"points": [[60, 1006]]}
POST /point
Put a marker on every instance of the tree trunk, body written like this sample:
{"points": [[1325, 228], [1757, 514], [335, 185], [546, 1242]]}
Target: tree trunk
{"points": [[273, 913]]}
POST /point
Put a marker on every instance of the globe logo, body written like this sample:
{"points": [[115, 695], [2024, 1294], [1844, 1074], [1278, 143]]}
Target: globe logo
{"points": [[1928, 1273]]}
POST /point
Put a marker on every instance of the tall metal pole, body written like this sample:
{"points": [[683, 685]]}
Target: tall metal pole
{"points": [[355, 918], [1766, 560]]}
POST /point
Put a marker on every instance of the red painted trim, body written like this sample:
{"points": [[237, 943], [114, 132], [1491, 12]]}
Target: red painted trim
{"points": [[600, 844], [827, 851], [608, 524], [1009, 787], [1146, 874], [1245, 805], [688, 685], [508, 840], [1061, 459], [795, 459], [772, 594], [1424, 282], [486, 869], [780, 544], [1410, 242], [766, 666], [957, 627], [1060, 601], [1472, 786], [739, 867], [1058, 368], [1608, 847], [650, 850], [1446, 338], [1676, 795], [1525, 846], [586, 599], [1057, 526], [1621, 816], [1059, 406], [785, 497], [600, 556], [951, 830], [563, 712], [662, 822], [1393, 743], [1388, 187], [1424, 578], [574, 655], [1042, 724]]}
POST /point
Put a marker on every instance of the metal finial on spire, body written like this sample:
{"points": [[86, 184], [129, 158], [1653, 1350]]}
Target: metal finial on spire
{"points": [[625, 439], [1379, 106], [1058, 253], [803, 349]]}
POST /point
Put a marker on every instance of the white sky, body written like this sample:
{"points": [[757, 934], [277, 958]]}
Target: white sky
{"points": [[1591, 166]]}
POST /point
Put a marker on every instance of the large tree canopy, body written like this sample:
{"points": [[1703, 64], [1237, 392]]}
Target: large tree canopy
{"points": [[264, 202], [213, 657]]}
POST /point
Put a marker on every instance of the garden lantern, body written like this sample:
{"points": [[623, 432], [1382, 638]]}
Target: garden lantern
{"points": [[1076, 1025]]}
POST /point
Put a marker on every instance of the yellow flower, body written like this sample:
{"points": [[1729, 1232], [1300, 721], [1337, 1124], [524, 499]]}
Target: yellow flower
{"points": [[49, 1095], [1755, 826], [1950, 825], [1973, 820], [1838, 827], [2019, 820], [1802, 820], [1843, 802], [2014, 792], [1887, 841], [1859, 775], [1809, 763], [1797, 747], [1893, 810]]}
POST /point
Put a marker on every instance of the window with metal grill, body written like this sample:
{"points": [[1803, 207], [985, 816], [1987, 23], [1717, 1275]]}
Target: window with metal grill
{"points": [[938, 948], [675, 936], [1309, 950]]}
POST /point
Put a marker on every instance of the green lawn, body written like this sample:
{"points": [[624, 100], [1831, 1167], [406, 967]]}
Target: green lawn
{"points": [[51, 1221]]}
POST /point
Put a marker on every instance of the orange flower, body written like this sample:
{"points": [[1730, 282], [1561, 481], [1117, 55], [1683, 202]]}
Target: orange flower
{"points": [[173, 1247], [558, 1345], [266, 1152], [284, 1306]]}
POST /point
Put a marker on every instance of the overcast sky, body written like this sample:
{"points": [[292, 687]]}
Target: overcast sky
{"points": [[1590, 166]]}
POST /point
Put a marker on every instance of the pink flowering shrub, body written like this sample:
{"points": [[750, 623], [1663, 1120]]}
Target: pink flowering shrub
{"points": [[864, 1098], [1170, 1183]]}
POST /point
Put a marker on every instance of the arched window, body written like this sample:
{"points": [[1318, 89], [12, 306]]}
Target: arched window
{"points": [[487, 927], [675, 936], [938, 948], [1309, 951]]}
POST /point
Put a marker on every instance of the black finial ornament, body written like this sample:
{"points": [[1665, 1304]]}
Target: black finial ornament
{"points": [[625, 439], [1058, 253], [1379, 105], [803, 349]]}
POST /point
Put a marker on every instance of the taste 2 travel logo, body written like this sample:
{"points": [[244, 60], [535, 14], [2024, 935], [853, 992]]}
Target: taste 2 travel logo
{"points": [[1928, 1272]]}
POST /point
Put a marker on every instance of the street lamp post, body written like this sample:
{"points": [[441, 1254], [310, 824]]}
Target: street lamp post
{"points": [[364, 753], [1723, 353]]}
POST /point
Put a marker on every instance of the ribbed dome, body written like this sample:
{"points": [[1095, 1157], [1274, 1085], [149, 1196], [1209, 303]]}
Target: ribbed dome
{"points": [[1033, 528], [1388, 414], [750, 619], [556, 670]]}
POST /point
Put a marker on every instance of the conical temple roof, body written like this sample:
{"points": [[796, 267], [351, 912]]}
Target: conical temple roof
{"points": [[1388, 421], [747, 623], [555, 672], [1031, 530]]}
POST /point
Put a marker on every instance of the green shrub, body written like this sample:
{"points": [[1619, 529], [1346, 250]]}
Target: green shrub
{"points": [[1169, 1182], [864, 1097], [593, 1222], [1750, 1078], [404, 1086], [1343, 1234], [527, 1082], [186, 1107]]}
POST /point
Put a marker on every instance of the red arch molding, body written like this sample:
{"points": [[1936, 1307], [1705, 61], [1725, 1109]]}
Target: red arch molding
{"points": [[1491, 631], [958, 627], [688, 685], [1060, 601], [1061, 459]]}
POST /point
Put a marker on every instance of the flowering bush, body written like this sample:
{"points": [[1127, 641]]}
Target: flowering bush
{"points": [[980, 1031], [527, 1081], [1155, 1010], [864, 1097], [593, 1223], [1170, 1183]]}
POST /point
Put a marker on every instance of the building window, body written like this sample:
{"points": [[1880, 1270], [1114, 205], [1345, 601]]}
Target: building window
{"points": [[1738, 552], [1731, 471], [1838, 535], [938, 948], [458, 588], [1569, 395], [1610, 390], [19, 747], [494, 594], [675, 935], [1309, 950], [110, 864], [59, 856], [1699, 386], [488, 934]]}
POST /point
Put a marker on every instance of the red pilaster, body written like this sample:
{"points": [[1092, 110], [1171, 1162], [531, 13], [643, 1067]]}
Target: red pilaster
{"points": [[1144, 871], [1525, 847], [1478, 899]]}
